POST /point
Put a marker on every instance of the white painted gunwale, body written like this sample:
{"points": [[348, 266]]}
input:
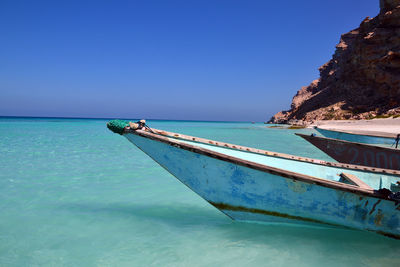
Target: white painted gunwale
{"points": [[164, 137]]}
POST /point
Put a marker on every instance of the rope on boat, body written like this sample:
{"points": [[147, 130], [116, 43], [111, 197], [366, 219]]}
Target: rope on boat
{"points": [[140, 125], [118, 126]]}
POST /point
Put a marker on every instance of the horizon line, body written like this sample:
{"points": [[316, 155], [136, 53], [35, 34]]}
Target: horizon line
{"points": [[113, 118]]}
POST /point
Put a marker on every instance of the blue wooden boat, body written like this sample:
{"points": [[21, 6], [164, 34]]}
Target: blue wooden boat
{"points": [[257, 185], [357, 153], [367, 138]]}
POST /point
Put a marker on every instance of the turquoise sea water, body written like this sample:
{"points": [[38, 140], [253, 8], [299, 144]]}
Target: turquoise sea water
{"points": [[74, 194]]}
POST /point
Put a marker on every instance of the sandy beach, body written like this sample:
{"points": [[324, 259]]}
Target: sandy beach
{"points": [[385, 127]]}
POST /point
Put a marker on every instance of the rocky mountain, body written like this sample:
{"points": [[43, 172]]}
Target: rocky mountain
{"points": [[362, 80]]}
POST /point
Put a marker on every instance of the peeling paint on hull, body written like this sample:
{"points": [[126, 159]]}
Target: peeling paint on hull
{"points": [[238, 190]]}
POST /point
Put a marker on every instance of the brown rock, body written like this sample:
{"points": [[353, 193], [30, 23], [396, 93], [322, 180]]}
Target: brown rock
{"points": [[386, 5], [362, 80]]}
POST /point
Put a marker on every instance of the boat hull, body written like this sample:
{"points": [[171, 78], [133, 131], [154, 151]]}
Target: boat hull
{"points": [[357, 153], [357, 138], [244, 192]]}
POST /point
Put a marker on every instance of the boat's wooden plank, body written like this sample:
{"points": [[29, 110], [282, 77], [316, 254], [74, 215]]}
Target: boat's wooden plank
{"points": [[355, 180]]}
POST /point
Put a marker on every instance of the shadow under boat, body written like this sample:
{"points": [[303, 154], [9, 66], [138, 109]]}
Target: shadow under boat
{"points": [[258, 185]]}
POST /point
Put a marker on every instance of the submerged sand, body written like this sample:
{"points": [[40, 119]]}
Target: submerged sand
{"points": [[386, 127]]}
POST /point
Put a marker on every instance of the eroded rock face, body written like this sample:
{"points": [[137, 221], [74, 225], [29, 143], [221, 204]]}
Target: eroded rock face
{"points": [[362, 80]]}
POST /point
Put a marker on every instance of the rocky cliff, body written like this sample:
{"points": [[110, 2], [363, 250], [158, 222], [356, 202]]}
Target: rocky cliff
{"points": [[362, 80]]}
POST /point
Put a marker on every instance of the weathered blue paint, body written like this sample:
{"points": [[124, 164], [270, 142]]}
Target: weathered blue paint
{"points": [[357, 138], [245, 193], [374, 179]]}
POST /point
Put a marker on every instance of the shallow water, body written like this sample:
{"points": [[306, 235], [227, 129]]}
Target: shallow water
{"points": [[74, 194]]}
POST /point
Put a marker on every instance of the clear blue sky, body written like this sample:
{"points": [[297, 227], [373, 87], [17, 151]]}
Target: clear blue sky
{"points": [[201, 60]]}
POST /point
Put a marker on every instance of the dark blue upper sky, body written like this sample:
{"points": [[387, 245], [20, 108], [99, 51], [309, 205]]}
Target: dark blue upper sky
{"points": [[201, 60]]}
